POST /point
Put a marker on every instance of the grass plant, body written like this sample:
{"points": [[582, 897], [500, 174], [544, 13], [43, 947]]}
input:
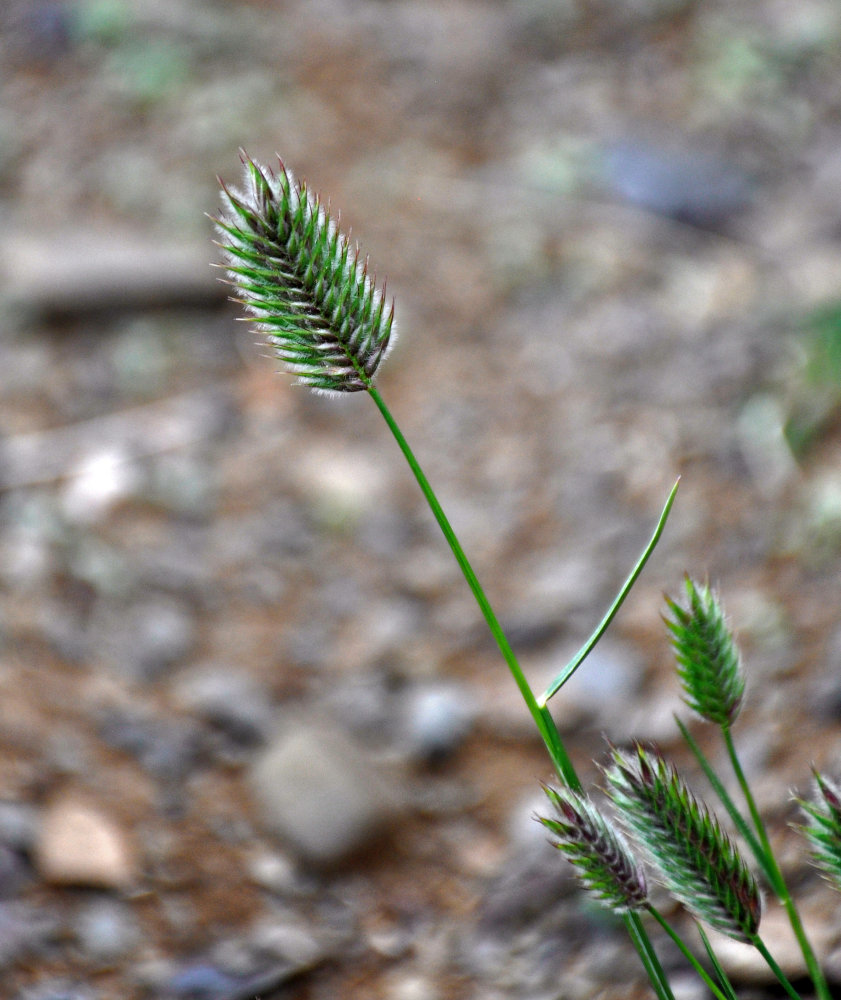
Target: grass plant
{"points": [[309, 291]]}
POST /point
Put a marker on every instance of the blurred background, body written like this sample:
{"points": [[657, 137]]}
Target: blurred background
{"points": [[254, 739]]}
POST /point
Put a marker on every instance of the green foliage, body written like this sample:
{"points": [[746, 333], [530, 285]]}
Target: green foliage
{"points": [[708, 661], [307, 288], [697, 861], [600, 854]]}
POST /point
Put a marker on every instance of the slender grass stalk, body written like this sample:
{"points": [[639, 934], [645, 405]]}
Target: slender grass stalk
{"points": [[717, 991], [542, 719], [723, 978], [760, 946], [648, 956], [307, 289], [762, 852], [780, 885]]}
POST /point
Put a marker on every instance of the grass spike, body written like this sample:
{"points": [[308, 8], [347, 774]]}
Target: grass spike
{"points": [[302, 282]]}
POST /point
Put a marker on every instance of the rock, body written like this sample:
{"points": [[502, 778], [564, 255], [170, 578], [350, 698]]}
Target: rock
{"points": [[18, 825], [205, 982], [274, 872], [288, 940], [79, 844], [410, 986], [229, 699], [99, 481], [165, 425], [168, 748], [321, 793], [81, 272], [604, 685], [437, 718], [201, 981], [688, 185], [14, 872], [143, 641], [164, 633], [106, 930]]}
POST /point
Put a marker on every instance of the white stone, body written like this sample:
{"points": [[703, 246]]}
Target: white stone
{"points": [[79, 844], [321, 793]]}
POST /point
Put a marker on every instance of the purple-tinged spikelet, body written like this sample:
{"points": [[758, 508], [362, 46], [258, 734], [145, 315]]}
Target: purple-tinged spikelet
{"points": [[823, 829], [600, 854], [696, 860], [303, 282]]}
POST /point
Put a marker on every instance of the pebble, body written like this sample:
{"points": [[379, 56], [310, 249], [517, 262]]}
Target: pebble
{"points": [[321, 793], [438, 719], [688, 185], [79, 844], [144, 641], [168, 748], [201, 981], [106, 930], [98, 482], [273, 871], [205, 980], [228, 699], [14, 873], [18, 825], [288, 940], [341, 486], [410, 986], [183, 484]]}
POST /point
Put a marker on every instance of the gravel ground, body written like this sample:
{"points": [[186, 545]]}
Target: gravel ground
{"points": [[254, 740]]}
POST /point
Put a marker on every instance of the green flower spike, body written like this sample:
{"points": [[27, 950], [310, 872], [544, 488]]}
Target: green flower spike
{"points": [[708, 661], [600, 854], [303, 282], [823, 828], [696, 860]]}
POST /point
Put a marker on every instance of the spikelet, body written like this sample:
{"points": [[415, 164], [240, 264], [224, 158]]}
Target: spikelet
{"points": [[601, 855], [708, 661], [823, 829], [696, 860], [303, 282]]}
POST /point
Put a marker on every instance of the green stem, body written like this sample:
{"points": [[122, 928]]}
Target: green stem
{"points": [[687, 954], [759, 944], [778, 881], [542, 718], [723, 978], [540, 713], [648, 957]]}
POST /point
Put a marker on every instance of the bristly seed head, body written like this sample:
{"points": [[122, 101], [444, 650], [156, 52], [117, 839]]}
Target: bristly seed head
{"points": [[600, 854], [696, 860], [823, 829], [708, 661], [304, 284]]}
